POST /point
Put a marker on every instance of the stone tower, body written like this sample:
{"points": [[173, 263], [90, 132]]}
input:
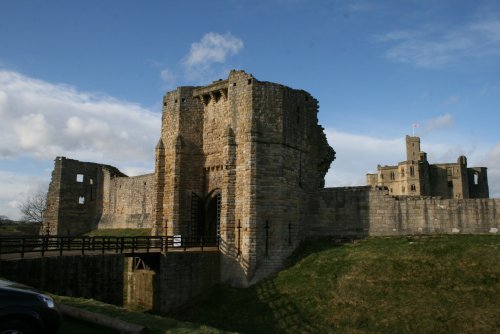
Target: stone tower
{"points": [[240, 160]]}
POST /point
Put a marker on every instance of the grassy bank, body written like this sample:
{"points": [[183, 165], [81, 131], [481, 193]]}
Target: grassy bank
{"points": [[440, 284], [156, 324]]}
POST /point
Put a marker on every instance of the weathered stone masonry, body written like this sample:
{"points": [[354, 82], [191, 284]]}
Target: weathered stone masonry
{"points": [[84, 196], [371, 211], [244, 161]]}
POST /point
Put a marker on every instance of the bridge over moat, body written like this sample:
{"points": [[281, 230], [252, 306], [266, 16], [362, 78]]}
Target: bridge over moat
{"points": [[157, 273]]}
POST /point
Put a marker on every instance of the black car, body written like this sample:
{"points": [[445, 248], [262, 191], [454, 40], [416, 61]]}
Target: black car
{"points": [[26, 310]]}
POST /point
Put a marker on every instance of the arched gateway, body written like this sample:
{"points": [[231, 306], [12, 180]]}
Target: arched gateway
{"points": [[205, 216]]}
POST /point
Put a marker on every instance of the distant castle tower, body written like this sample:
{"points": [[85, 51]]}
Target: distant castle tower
{"points": [[416, 177]]}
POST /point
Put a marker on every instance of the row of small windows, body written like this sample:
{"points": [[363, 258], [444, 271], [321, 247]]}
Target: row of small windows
{"points": [[413, 188], [392, 175], [80, 178]]}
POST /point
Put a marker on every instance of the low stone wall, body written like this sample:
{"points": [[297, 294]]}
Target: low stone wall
{"points": [[99, 277], [363, 211]]}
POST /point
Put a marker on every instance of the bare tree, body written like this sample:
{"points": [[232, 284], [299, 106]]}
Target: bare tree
{"points": [[32, 208], [5, 220]]}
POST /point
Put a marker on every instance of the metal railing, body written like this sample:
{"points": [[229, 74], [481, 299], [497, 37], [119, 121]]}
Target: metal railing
{"points": [[103, 244]]}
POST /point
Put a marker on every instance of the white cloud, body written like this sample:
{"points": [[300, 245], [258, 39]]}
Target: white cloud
{"points": [[168, 77], [44, 120], [212, 49], [437, 47], [14, 189], [41, 120], [451, 100], [492, 161], [358, 155], [440, 122]]}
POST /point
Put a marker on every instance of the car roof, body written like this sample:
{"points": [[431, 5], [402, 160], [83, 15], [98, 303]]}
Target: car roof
{"points": [[9, 285]]}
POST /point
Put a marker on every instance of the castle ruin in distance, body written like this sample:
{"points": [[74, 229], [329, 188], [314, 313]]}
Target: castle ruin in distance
{"points": [[244, 161]]}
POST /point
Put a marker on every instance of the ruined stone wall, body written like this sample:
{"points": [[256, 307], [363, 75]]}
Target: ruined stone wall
{"points": [[75, 196], [362, 211], [127, 202], [478, 182], [84, 196]]}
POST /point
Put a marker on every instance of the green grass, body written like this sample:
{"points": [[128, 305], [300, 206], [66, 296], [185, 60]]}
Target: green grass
{"points": [[156, 324], [19, 229], [120, 232], [439, 284]]}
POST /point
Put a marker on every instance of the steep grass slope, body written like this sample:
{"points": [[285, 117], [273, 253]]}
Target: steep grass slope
{"points": [[438, 284]]}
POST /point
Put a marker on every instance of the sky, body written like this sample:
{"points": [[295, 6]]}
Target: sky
{"points": [[85, 79]]}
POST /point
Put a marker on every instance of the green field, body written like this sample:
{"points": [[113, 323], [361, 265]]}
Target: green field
{"points": [[439, 284], [120, 232]]}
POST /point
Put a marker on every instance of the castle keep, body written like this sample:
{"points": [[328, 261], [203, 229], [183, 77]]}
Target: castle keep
{"points": [[416, 177], [243, 162]]}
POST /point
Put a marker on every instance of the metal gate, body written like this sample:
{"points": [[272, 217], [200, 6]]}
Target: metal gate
{"points": [[197, 216]]}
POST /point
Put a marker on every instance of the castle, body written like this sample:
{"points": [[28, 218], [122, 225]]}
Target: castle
{"points": [[243, 161], [416, 177]]}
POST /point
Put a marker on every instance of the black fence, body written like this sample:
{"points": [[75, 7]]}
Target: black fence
{"points": [[43, 245]]}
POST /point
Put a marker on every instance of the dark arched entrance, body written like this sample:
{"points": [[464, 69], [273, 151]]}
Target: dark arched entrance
{"points": [[212, 217], [205, 217]]}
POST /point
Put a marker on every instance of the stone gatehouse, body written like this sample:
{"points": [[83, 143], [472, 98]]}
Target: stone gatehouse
{"points": [[239, 159], [244, 161]]}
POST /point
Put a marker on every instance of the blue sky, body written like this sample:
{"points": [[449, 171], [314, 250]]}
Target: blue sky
{"points": [[84, 79]]}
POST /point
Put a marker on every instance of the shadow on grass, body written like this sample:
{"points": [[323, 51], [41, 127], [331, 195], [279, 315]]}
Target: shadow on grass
{"points": [[267, 307]]}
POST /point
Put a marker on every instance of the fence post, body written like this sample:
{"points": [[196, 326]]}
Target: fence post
{"points": [[44, 245], [61, 244], [23, 242]]}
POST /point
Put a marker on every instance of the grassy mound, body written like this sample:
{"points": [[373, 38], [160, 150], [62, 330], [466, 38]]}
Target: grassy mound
{"points": [[439, 284]]}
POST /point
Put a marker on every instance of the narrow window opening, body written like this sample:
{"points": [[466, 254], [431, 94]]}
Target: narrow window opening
{"points": [[450, 184], [476, 179], [449, 171], [81, 200], [206, 99], [412, 171], [249, 81], [413, 188], [175, 101], [164, 104], [91, 181], [403, 190], [234, 84], [391, 190], [183, 100], [79, 177], [402, 172], [217, 96]]}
